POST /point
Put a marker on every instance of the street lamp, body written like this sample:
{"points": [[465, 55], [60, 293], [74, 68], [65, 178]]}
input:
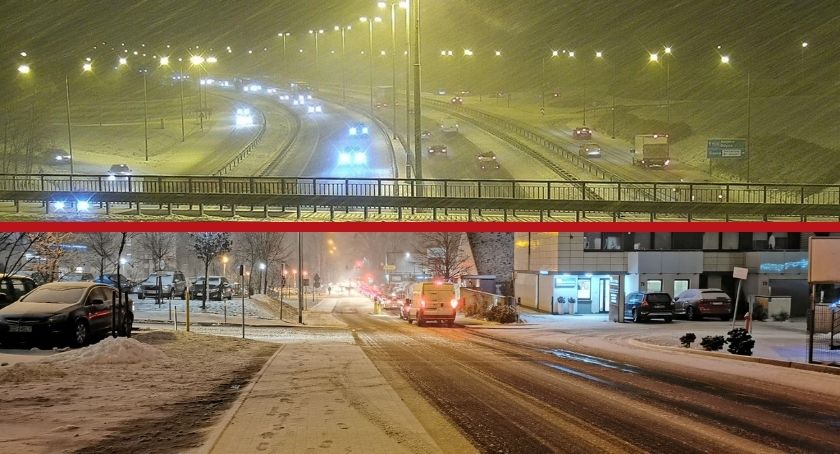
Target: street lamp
{"points": [[224, 265], [724, 59], [164, 61], [86, 67], [370, 51], [554, 54], [343, 30], [261, 285], [316, 33], [24, 69], [394, 6]]}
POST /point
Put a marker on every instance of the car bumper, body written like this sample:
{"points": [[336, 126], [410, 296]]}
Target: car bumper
{"points": [[715, 310], [657, 314], [39, 332]]}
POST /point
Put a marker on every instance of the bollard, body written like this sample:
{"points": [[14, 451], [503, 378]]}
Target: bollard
{"points": [[748, 322], [187, 302]]}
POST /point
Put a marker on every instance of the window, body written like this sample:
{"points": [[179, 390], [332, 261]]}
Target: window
{"points": [[654, 285], [730, 241], [680, 285], [592, 241], [641, 241], [662, 240], [584, 289], [687, 241], [612, 242]]}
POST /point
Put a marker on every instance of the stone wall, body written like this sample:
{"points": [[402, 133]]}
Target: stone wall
{"points": [[493, 254]]}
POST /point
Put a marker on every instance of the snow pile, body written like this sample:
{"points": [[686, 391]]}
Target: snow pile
{"points": [[26, 372], [112, 350]]}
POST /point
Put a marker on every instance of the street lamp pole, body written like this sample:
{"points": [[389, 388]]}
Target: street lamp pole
{"points": [[408, 84], [343, 30], [394, 66], [370, 22], [418, 164], [300, 281], [145, 115], [69, 133], [749, 112], [317, 68]]}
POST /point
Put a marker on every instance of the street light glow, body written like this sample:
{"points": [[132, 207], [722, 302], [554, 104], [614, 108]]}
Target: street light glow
{"points": [[123, 61], [555, 53], [571, 54], [804, 44], [468, 53], [87, 67], [196, 59], [24, 69], [724, 59], [164, 61], [599, 54], [212, 60], [498, 53], [382, 5], [668, 50], [654, 57]]}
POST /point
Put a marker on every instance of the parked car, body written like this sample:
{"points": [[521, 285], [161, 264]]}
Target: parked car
{"points": [[696, 303], [77, 277], [457, 100], [487, 160], [642, 306], [111, 279], [582, 133], [218, 288], [61, 312], [438, 149], [13, 286], [172, 284], [37, 276], [431, 302]]}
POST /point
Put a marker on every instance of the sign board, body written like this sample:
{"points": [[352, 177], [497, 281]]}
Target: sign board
{"points": [[726, 148], [823, 260], [389, 267], [565, 282], [306, 282], [740, 273]]}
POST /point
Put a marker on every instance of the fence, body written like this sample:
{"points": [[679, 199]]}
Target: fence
{"points": [[824, 339], [476, 303]]}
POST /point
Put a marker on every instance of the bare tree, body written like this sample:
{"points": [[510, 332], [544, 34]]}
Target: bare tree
{"points": [[260, 247], [207, 247], [50, 251], [16, 250], [158, 245], [442, 254], [104, 246]]}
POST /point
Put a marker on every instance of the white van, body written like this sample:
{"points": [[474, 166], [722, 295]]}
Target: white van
{"points": [[431, 302]]}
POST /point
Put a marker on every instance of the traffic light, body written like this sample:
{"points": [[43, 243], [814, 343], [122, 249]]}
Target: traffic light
{"points": [[317, 281], [283, 281]]}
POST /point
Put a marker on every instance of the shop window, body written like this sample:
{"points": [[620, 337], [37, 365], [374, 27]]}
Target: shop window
{"points": [[687, 241], [729, 241], [711, 241], [592, 241], [654, 285], [662, 240], [680, 285], [612, 242], [584, 289], [641, 241]]}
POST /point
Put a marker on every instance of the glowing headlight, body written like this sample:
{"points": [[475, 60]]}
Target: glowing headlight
{"points": [[353, 131], [83, 205], [365, 130], [111, 177], [319, 109], [344, 158], [296, 102], [667, 162], [310, 109], [59, 158], [308, 96], [360, 158], [59, 205]]}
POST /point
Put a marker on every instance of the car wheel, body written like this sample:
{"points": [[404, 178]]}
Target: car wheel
{"points": [[80, 334], [637, 318], [669, 319], [690, 313]]}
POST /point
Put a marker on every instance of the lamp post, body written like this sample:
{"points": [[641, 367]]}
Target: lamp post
{"points": [[224, 265], [299, 282], [315, 33], [408, 134], [86, 67], [261, 284], [725, 59], [164, 61], [554, 54], [197, 61], [664, 59], [343, 30], [370, 52]]}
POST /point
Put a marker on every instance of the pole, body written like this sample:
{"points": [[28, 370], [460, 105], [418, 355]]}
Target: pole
{"points": [[200, 112], [300, 281], [542, 96], [370, 60], [317, 68], [749, 111], [187, 304], [394, 66], [145, 116], [343, 65], [812, 313], [615, 66], [242, 285], [181, 88], [667, 93], [583, 64], [69, 134], [407, 85], [737, 299], [418, 164]]}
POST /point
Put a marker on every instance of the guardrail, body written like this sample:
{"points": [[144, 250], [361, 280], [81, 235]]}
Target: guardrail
{"points": [[246, 150]]}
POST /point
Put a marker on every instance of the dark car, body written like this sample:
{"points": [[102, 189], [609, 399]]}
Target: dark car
{"points": [[77, 277], [457, 100], [582, 133], [111, 279], [119, 170], [12, 287], [74, 312], [487, 160], [425, 134], [641, 306], [218, 288], [590, 150], [438, 149], [58, 156], [172, 284], [696, 303]]}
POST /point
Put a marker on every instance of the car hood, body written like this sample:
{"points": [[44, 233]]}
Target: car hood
{"points": [[25, 309]]}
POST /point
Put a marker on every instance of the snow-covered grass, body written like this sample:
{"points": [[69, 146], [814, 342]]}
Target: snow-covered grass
{"points": [[233, 307], [120, 394]]}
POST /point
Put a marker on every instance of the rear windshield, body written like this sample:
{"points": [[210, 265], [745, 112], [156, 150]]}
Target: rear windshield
{"points": [[713, 294], [438, 293], [163, 279], [73, 277], [55, 294], [658, 298]]}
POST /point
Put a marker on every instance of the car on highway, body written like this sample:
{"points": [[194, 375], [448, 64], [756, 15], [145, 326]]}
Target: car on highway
{"points": [[441, 92], [314, 108], [425, 134], [358, 129], [381, 105], [172, 284], [696, 303], [77, 277], [61, 312], [582, 133], [590, 150], [352, 156], [438, 149], [643, 306], [457, 100], [218, 288], [487, 160], [119, 170], [431, 302], [58, 156], [13, 286]]}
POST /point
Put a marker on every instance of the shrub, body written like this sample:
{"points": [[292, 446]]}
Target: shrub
{"points": [[759, 313], [781, 316], [712, 343], [688, 339], [740, 342], [502, 313]]}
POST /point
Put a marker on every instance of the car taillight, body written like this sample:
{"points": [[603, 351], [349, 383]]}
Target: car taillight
{"points": [[454, 303], [645, 304], [423, 303]]}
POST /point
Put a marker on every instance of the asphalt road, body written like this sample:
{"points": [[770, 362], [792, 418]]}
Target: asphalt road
{"points": [[508, 397]]}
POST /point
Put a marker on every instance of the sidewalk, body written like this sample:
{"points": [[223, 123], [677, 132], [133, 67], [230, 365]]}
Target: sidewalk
{"points": [[333, 399]]}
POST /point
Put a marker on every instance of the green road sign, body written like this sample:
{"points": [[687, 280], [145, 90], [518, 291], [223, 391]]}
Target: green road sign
{"points": [[726, 148]]}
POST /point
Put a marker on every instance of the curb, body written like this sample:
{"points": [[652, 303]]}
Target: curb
{"points": [[225, 420], [248, 325], [750, 359]]}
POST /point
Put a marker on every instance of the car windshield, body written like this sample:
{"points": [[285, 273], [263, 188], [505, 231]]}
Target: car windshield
{"points": [[73, 277], [658, 298], [55, 294], [213, 280], [165, 280]]}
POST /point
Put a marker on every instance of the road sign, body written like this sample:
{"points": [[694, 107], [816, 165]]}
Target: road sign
{"points": [[306, 282], [726, 148], [739, 273], [390, 267]]}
